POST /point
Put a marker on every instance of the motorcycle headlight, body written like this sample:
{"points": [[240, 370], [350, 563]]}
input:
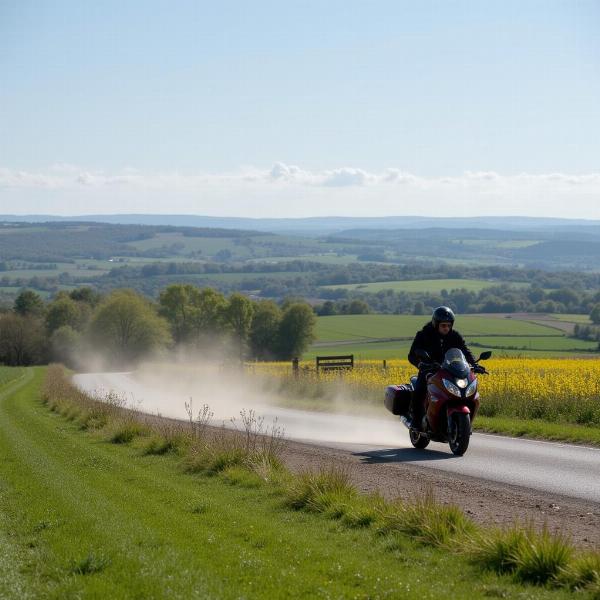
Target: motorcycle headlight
{"points": [[453, 389], [472, 388], [462, 383]]}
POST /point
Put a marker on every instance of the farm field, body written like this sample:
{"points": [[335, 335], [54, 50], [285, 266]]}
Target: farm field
{"points": [[347, 327], [147, 530], [368, 336], [423, 285], [329, 259]]}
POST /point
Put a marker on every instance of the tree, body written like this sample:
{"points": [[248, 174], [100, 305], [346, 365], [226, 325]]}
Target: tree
{"points": [[326, 309], [419, 308], [29, 303], [86, 295], [358, 307], [175, 306], [194, 314], [296, 330], [208, 309], [265, 329], [125, 327], [595, 315], [238, 315], [63, 311], [22, 340]]}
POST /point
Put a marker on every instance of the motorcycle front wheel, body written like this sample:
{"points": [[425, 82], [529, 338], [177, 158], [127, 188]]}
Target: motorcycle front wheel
{"points": [[460, 433], [418, 440]]}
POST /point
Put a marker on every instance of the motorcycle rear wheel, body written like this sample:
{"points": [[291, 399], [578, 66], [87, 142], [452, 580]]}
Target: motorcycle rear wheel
{"points": [[460, 433], [418, 440]]}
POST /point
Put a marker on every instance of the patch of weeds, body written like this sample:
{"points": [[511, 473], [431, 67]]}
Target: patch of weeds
{"points": [[211, 460], [543, 558], [531, 556], [426, 520], [320, 491], [498, 549], [157, 445], [237, 475], [360, 516], [583, 572], [125, 432], [90, 564]]}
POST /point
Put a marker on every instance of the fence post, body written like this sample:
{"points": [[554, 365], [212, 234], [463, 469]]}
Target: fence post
{"points": [[295, 368], [384, 364]]}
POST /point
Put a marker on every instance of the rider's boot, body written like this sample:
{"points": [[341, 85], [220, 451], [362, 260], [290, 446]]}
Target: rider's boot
{"points": [[416, 412]]}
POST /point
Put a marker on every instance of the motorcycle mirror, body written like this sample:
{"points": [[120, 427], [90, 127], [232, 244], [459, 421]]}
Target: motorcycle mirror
{"points": [[485, 355], [422, 354]]}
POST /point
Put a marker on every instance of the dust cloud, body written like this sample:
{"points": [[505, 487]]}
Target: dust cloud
{"points": [[161, 388]]}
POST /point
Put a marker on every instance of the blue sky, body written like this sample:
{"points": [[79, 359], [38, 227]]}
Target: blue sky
{"points": [[201, 99]]}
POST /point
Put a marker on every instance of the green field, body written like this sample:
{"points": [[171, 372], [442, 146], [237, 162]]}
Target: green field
{"points": [[327, 258], [83, 518], [581, 319], [511, 244], [507, 336], [241, 248], [434, 286], [349, 327]]}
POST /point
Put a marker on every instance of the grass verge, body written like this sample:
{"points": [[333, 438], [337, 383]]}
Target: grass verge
{"points": [[538, 429], [88, 517]]}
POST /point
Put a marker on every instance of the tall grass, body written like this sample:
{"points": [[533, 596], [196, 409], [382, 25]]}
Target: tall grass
{"points": [[533, 556]]}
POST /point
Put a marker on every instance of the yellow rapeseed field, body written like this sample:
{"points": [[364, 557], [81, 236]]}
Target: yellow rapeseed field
{"points": [[555, 390]]}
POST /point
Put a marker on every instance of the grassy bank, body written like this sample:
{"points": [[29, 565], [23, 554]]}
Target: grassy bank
{"points": [[98, 502]]}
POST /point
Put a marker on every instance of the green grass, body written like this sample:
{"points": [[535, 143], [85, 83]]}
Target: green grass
{"points": [[81, 517], [8, 374], [550, 343], [537, 428], [434, 286], [507, 336], [349, 327], [572, 318]]}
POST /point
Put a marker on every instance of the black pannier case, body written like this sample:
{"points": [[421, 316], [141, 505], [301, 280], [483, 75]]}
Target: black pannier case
{"points": [[397, 399]]}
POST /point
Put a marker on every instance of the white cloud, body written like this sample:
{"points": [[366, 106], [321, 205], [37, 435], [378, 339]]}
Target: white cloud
{"points": [[289, 190]]}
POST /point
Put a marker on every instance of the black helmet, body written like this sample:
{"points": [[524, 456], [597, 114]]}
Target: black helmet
{"points": [[442, 314]]}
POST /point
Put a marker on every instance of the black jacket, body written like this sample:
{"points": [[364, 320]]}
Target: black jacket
{"points": [[437, 345]]}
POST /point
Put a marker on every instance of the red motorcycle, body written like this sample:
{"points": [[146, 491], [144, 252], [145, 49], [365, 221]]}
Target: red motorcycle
{"points": [[451, 401]]}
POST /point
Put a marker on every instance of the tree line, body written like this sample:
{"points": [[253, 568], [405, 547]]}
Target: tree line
{"points": [[123, 327]]}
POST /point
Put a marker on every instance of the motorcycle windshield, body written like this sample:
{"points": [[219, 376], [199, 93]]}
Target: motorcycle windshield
{"points": [[456, 363]]}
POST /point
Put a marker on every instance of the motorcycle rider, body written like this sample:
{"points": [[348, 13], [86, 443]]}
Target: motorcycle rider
{"points": [[436, 338]]}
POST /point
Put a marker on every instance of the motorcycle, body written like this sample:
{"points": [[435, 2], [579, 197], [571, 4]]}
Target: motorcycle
{"points": [[451, 402]]}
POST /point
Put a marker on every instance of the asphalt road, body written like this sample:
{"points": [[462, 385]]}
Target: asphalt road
{"points": [[564, 469]]}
